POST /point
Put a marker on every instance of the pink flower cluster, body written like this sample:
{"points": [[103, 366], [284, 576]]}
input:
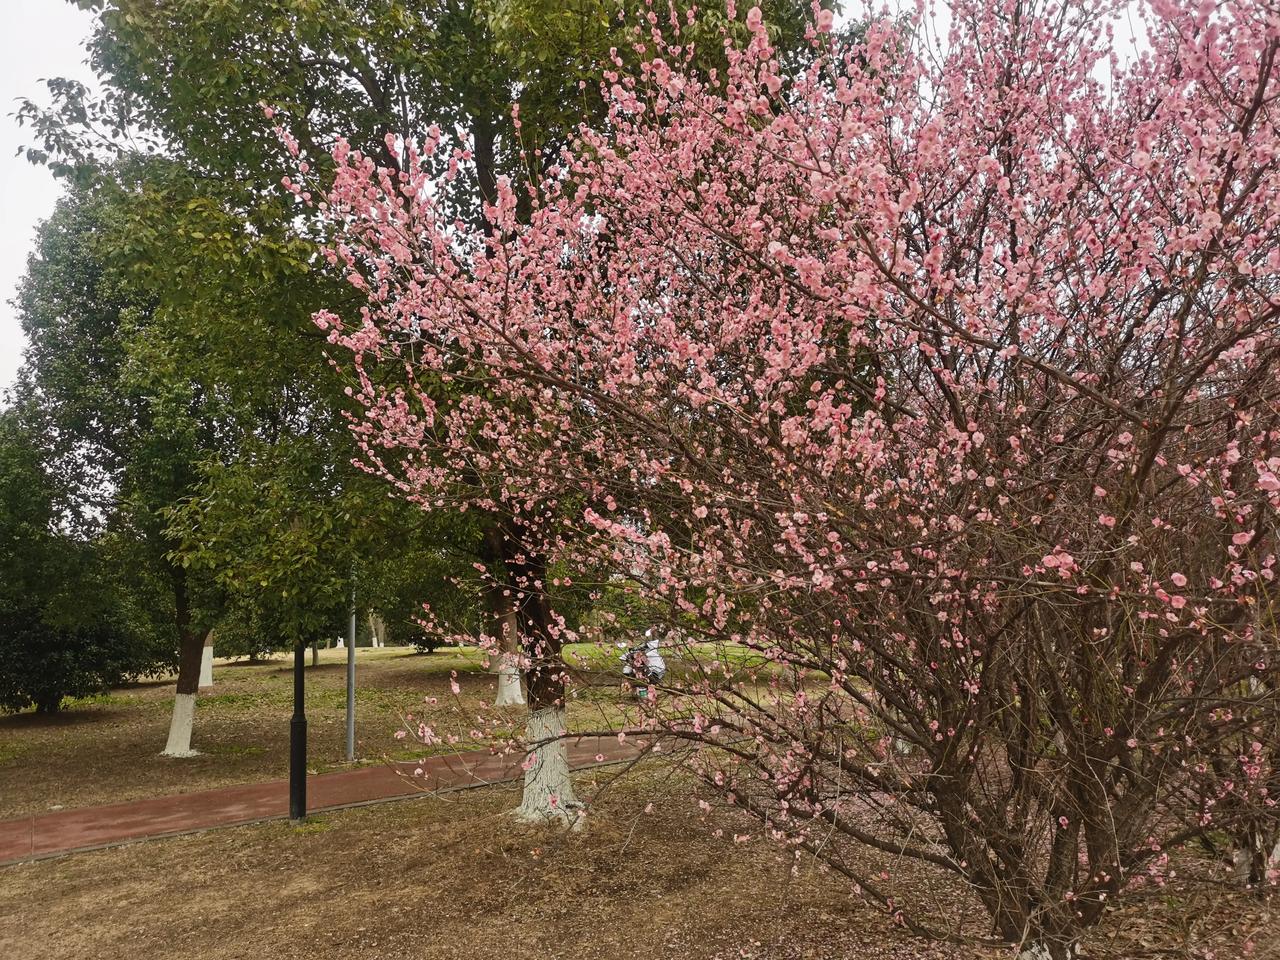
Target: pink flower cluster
{"points": [[837, 366]]}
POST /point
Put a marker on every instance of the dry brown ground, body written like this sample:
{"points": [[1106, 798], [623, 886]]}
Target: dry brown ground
{"points": [[446, 877], [437, 878], [449, 877]]}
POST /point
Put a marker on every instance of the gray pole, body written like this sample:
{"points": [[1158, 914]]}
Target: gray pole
{"points": [[351, 680]]}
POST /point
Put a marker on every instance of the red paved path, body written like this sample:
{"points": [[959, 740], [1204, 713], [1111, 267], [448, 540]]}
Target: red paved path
{"points": [[66, 831]]}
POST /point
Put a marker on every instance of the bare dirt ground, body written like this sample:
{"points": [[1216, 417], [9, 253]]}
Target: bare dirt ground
{"points": [[451, 877], [437, 878]]}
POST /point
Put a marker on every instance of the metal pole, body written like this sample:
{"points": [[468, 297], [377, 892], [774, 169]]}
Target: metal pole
{"points": [[351, 681], [298, 739]]}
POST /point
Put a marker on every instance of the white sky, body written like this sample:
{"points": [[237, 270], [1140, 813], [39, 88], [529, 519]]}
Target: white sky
{"points": [[38, 39]]}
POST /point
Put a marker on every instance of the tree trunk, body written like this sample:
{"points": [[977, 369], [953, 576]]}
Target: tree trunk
{"points": [[1256, 856], [206, 662], [190, 654], [548, 790], [377, 630], [1044, 950], [510, 689], [1256, 839], [315, 654]]}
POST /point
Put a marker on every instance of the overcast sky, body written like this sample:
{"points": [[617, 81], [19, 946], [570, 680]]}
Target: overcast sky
{"points": [[38, 39]]}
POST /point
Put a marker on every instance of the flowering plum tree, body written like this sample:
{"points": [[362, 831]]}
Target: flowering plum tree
{"points": [[933, 393]]}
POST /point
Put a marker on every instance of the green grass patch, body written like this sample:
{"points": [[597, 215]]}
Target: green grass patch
{"points": [[311, 825], [234, 750], [12, 750], [100, 700]]}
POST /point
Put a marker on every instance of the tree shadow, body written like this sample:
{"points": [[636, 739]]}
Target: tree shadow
{"points": [[30, 720], [149, 684], [248, 662], [318, 668]]}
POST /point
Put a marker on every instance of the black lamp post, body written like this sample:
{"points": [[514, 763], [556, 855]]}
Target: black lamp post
{"points": [[298, 740]]}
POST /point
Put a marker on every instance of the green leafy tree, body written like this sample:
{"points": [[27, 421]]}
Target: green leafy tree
{"points": [[123, 441], [236, 265], [298, 579], [69, 625]]}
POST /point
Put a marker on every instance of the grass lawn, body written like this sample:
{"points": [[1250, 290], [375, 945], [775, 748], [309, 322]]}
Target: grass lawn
{"points": [[106, 749]]}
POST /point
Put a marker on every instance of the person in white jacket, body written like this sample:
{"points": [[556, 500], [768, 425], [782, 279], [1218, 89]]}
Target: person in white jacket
{"points": [[645, 663]]}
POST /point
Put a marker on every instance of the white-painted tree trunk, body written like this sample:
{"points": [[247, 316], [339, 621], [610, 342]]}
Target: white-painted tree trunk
{"points": [[184, 714], [1038, 951], [1241, 862], [510, 692], [548, 791], [315, 654], [1242, 858], [206, 665]]}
